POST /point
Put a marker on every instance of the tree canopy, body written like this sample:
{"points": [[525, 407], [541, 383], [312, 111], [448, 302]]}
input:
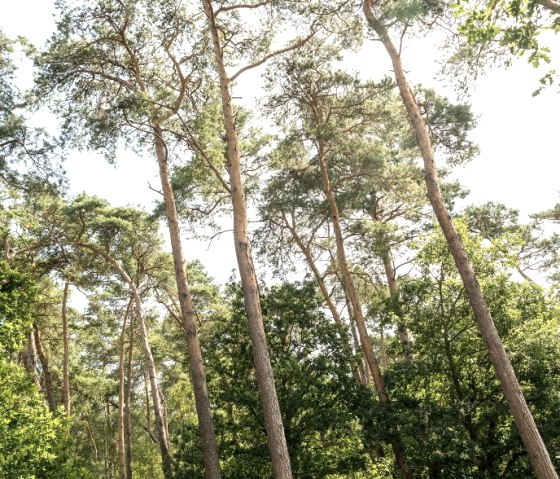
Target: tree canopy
{"points": [[378, 325]]}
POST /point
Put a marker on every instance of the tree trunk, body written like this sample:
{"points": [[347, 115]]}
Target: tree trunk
{"points": [[66, 351], [163, 440], [108, 434], [276, 438], [391, 276], [127, 419], [120, 419], [28, 357], [47, 378], [196, 364], [326, 296], [354, 299], [148, 408], [363, 368], [536, 449]]}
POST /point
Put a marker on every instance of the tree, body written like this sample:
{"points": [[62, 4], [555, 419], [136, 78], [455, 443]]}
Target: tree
{"points": [[265, 377], [107, 234], [318, 396], [451, 375], [28, 430], [25, 152], [502, 30], [536, 448], [135, 98]]}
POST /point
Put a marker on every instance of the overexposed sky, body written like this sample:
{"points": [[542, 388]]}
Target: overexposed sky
{"points": [[518, 134]]}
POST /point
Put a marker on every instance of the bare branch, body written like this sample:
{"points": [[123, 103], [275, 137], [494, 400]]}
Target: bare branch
{"points": [[244, 5], [154, 190], [258, 63]]}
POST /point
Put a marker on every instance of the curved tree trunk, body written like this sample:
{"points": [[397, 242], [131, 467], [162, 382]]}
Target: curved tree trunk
{"points": [[351, 292], [276, 438], [163, 440], [196, 364], [536, 449]]}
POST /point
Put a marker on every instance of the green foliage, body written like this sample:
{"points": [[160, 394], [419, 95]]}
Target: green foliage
{"points": [[507, 28], [25, 152], [29, 434], [16, 308], [316, 391], [116, 72], [453, 416]]}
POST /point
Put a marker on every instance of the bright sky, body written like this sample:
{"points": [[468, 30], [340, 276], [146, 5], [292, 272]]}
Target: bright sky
{"points": [[518, 135]]}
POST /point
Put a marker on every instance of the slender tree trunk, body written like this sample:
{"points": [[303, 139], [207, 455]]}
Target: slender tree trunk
{"points": [[363, 367], [351, 292], [382, 350], [196, 364], [391, 276], [375, 451], [120, 418], [163, 440], [326, 296], [164, 409], [527, 278], [47, 378], [106, 441], [93, 443], [148, 407], [536, 449], [276, 438], [28, 357], [127, 419], [66, 351]]}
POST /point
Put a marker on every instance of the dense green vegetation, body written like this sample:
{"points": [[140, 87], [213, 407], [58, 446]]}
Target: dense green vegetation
{"points": [[396, 335]]}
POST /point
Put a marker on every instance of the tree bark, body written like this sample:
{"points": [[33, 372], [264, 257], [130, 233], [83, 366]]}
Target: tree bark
{"points": [[127, 419], [353, 297], [276, 438], [120, 418], [196, 364], [108, 434], [28, 357], [163, 440], [66, 351], [47, 378], [536, 449]]}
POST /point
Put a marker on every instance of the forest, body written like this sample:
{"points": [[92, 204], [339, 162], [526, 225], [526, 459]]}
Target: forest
{"points": [[378, 324]]}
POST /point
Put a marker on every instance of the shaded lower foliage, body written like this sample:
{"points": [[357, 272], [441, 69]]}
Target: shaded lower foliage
{"points": [[317, 392]]}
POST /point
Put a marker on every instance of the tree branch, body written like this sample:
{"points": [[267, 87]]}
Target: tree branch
{"points": [[244, 5], [550, 5], [258, 63]]}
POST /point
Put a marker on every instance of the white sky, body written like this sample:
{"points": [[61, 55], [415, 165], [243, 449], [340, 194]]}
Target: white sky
{"points": [[518, 135]]}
